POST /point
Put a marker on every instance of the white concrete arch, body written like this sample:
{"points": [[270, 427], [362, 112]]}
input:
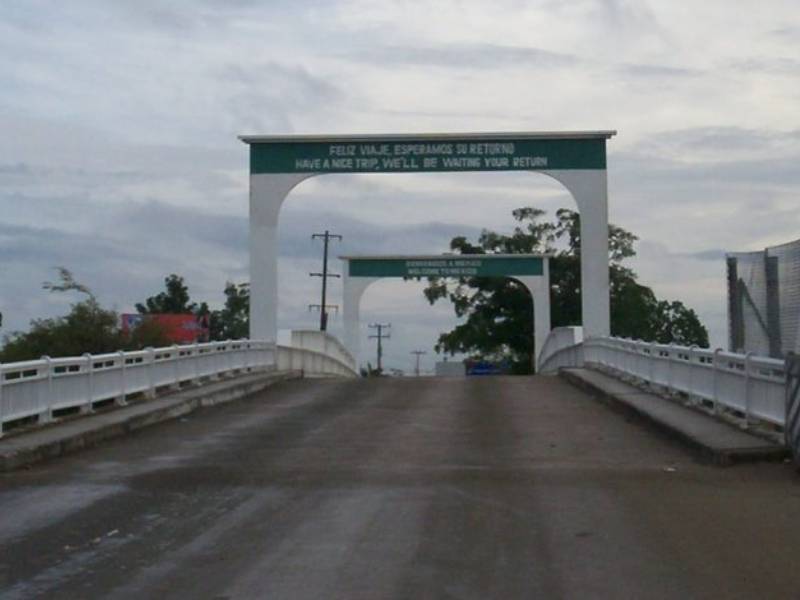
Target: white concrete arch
{"points": [[353, 289], [274, 175], [589, 189], [268, 192]]}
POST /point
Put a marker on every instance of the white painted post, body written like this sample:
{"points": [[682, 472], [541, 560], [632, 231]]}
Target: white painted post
{"points": [[216, 361], [229, 358], [47, 414], [715, 367], [692, 358], [121, 401], [670, 374], [196, 363], [151, 376], [89, 383], [2, 405], [176, 379]]}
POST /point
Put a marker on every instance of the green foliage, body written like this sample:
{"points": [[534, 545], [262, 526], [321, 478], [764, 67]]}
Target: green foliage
{"points": [[175, 300], [498, 311], [86, 328], [233, 321], [90, 328]]}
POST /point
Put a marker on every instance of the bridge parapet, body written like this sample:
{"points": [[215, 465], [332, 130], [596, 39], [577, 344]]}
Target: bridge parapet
{"points": [[41, 390], [751, 387], [324, 343], [562, 348], [747, 388]]}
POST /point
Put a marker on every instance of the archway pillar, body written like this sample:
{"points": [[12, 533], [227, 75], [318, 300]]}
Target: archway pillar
{"points": [[267, 193], [576, 159], [352, 290], [354, 286], [539, 288], [589, 188]]}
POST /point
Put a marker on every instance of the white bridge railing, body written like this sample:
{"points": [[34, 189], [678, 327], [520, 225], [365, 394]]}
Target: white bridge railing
{"points": [[43, 388], [563, 347], [750, 386]]}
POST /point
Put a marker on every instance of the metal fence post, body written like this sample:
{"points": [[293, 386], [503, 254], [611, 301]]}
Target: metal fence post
{"points": [[747, 392], [792, 421]]}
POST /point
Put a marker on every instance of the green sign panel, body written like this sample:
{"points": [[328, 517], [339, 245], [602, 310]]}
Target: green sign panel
{"points": [[446, 266], [426, 155]]}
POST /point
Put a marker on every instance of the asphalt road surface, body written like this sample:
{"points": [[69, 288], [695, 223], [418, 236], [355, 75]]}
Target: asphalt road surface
{"points": [[400, 488]]}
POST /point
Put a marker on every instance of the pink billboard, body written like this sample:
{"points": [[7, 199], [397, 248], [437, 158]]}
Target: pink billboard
{"points": [[178, 328]]}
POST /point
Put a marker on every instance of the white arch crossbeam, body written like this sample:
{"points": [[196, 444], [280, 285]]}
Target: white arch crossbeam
{"points": [[576, 159], [531, 270]]}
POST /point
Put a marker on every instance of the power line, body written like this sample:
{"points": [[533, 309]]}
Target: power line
{"points": [[418, 354], [323, 308], [380, 337]]}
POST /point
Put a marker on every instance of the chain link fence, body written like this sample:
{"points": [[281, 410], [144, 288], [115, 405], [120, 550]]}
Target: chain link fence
{"points": [[764, 300]]}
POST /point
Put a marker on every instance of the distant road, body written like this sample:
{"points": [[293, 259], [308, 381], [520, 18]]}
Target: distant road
{"points": [[484, 488]]}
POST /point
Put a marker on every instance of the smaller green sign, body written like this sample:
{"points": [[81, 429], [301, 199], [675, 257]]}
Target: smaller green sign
{"points": [[447, 266]]}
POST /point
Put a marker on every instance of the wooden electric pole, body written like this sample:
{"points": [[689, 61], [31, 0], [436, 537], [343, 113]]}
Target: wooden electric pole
{"points": [[380, 336], [323, 309], [418, 353]]}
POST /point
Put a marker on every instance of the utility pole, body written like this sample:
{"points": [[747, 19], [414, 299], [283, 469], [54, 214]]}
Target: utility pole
{"points": [[418, 354], [380, 337], [323, 310]]}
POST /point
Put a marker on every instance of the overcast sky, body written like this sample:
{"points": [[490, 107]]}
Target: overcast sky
{"points": [[119, 155]]}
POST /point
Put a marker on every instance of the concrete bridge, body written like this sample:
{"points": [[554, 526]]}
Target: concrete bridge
{"points": [[250, 469], [342, 487]]}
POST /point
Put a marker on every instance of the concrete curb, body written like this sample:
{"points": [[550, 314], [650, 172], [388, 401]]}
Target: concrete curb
{"points": [[754, 448], [38, 445]]}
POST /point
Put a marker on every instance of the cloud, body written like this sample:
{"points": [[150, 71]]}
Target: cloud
{"points": [[461, 55], [259, 95], [781, 65], [714, 255], [646, 72], [788, 33], [119, 153]]}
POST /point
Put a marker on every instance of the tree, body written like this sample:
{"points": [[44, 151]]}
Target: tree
{"points": [[232, 322], [498, 311], [175, 300], [88, 327]]}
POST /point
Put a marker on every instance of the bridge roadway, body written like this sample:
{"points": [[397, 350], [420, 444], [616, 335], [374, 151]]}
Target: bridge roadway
{"points": [[399, 488]]}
